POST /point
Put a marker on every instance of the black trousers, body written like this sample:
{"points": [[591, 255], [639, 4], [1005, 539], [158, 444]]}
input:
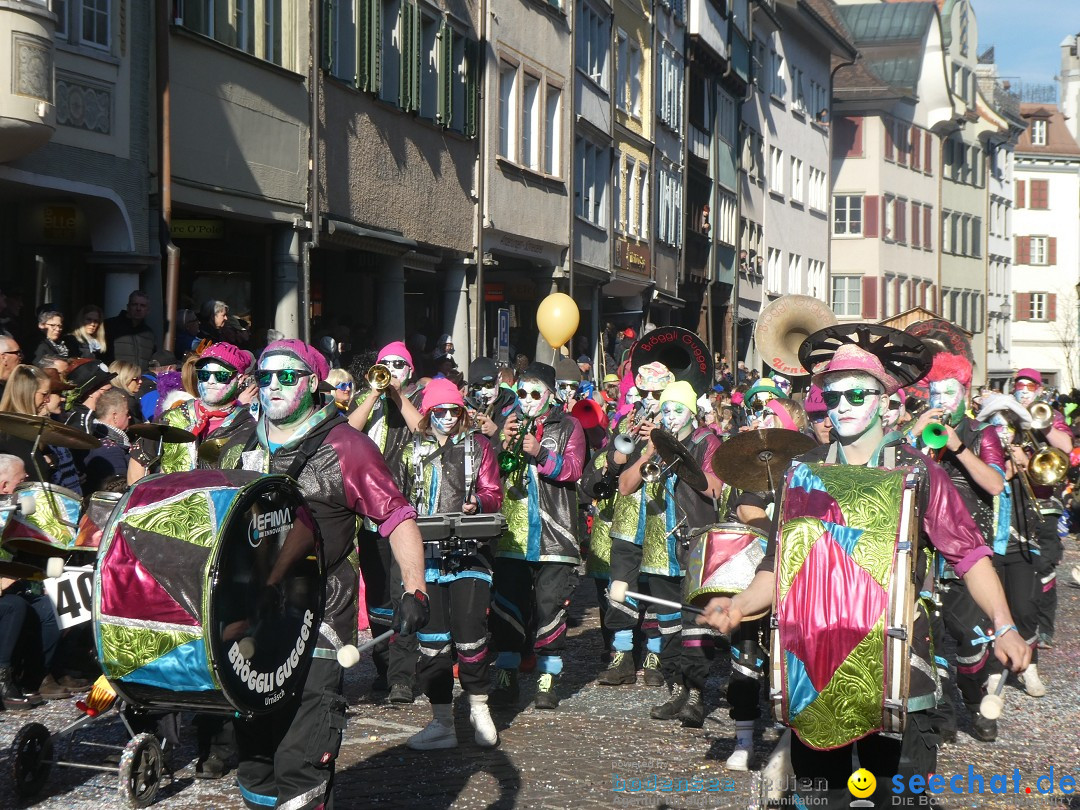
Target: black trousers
{"points": [[750, 662], [458, 619], [394, 660], [822, 775], [1018, 571], [943, 715], [531, 599], [1046, 596], [289, 755], [975, 660]]}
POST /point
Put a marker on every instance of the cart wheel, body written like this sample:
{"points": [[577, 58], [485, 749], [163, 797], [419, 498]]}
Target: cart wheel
{"points": [[141, 767], [30, 752]]}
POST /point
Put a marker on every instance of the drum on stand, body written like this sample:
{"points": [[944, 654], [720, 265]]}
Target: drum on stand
{"points": [[722, 562], [49, 528], [210, 592]]}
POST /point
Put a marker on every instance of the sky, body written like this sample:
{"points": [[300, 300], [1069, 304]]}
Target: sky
{"points": [[1026, 35]]}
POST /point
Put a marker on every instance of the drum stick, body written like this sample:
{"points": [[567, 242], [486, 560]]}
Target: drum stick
{"points": [[349, 654], [992, 705], [617, 591]]}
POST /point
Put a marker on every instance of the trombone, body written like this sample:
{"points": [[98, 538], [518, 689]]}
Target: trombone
{"points": [[1048, 466], [379, 377]]}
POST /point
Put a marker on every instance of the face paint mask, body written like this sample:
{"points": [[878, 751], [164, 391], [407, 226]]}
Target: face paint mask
{"points": [[286, 404], [851, 421], [564, 389], [633, 396], [1004, 429], [212, 391], [674, 416], [445, 423], [1025, 397], [530, 406], [948, 395], [399, 368]]}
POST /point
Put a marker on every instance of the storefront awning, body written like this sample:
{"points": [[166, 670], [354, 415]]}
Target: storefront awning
{"points": [[664, 299], [625, 287], [377, 241]]}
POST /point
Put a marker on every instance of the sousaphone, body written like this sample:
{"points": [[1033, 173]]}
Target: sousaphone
{"points": [[680, 350], [783, 326]]}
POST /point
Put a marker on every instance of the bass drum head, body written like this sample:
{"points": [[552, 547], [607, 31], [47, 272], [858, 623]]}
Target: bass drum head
{"points": [[266, 597]]}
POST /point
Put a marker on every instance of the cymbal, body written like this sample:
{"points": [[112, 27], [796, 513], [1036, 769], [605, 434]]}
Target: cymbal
{"points": [[21, 570], [210, 450], [165, 433], [26, 427], [672, 450], [756, 459]]}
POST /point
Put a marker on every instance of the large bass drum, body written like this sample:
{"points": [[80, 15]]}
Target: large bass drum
{"points": [[209, 592]]}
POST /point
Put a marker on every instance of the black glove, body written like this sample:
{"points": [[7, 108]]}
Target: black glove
{"points": [[412, 613]]}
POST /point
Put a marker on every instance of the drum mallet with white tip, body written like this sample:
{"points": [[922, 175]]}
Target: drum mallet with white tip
{"points": [[617, 592], [349, 654], [992, 705]]}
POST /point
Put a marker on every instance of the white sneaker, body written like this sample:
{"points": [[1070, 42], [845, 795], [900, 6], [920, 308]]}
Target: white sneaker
{"points": [[739, 760], [486, 736], [1033, 685], [439, 733]]}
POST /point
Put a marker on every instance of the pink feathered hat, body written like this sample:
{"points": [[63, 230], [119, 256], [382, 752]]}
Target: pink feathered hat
{"points": [[850, 357]]}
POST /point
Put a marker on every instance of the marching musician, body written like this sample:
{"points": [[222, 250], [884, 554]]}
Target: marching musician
{"points": [[388, 417], [489, 403], [972, 456], [818, 415], [216, 414], [652, 539], [537, 557], [1028, 390], [449, 467], [287, 757], [856, 386]]}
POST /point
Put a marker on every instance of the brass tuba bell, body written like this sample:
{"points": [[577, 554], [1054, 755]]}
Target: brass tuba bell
{"points": [[783, 326]]}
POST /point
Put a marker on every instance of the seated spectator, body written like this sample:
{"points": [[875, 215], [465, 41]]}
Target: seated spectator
{"points": [[89, 334], [53, 340], [128, 379], [110, 460], [187, 331], [60, 364], [90, 379], [28, 392]]}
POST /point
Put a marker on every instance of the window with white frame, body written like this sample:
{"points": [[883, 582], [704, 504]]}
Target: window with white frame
{"points": [[762, 66], [553, 131], [593, 43], [627, 74], [429, 67], [530, 114], [779, 75], [390, 52], [530, 121], [669, 202], [727, 217], [774, 271], [1038, 132], [95, 26], [633, 204], [590, 181], [798, 90], [794, 279], [669, 87], [798, 190], [729, 120], [643, 201], [1038, 306], [61, 10], [343, 44], [815, 278], [1039, 253], [819, 101], [847, 296], [256, 26], [819, 190], [776, 170], [847, 214], [634, 89], [620, 174], [508, 109], [889, 225]]}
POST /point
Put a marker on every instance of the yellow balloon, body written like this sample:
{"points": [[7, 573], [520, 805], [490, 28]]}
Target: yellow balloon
{"points": [[557, 318]]}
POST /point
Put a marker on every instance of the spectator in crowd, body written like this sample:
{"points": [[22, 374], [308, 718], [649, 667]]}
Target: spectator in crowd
{"points": [[28, 393], [342, 384], [10, 356], [130, 338], [128, 379], [90, 379], [187, 331], [160, 363], [53, 340], [59, 364], [65, 473], [89, 333], [216, 325], [584, 363], [110, 460]]}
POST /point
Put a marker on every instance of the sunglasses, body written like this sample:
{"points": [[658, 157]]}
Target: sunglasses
{"points": [[651, 394], [218, 375], [487, 386], [854, 396], [344, 386], [398, 364], [567, 386], [1026, 386], [286, 376], [523, 394], [442, 411]]}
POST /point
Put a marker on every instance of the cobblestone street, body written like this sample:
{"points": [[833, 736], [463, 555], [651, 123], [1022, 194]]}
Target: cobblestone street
{"points": [[575, 756]]}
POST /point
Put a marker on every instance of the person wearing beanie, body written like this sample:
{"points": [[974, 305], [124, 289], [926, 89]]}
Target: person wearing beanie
{"points": [[388, 417], [216, 414], [651, 543], [820, 563], [287, 757], [537, 556], [489, 402], [449, 467], [818, 414]]}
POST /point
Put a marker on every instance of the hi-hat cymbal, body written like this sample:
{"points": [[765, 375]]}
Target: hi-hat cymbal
{"points": [[756, 459], [165, 433], [210, 450], [672, 451], [29, 428], [21, 570]]}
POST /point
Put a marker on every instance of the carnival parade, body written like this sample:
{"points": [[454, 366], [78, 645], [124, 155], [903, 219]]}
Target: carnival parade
{"points": [[867, 550]]}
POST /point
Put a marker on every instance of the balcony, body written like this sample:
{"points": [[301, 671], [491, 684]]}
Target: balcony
{"points": [[1001, 98], [27, 113]]}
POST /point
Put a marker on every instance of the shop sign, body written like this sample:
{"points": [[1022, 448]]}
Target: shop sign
{"points": [[632, 258], [494, 292], [197, 229], [519, 244], [60, 223]]}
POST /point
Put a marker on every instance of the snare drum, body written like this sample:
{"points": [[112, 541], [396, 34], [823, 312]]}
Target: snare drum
{"points": [[210, 592], [52, 526], [99, 508], [722, 562]]}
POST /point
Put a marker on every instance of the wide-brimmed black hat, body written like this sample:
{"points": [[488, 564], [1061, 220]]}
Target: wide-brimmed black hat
{"points": [[88, 376]]}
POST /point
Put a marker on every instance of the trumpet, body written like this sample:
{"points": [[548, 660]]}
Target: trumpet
{"points": [[624, 442], [379, 377], [514, 459]]}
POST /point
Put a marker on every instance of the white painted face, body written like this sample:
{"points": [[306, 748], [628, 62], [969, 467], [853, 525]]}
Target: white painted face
{"points": [[222, 384], [651, 400], [950, 396], [399, 367], [1004, 429], [675, 417], [286, 404], [1026, 392], [445, 418], [633, 396], [531, 404], [892, 414], [852, 421]]}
